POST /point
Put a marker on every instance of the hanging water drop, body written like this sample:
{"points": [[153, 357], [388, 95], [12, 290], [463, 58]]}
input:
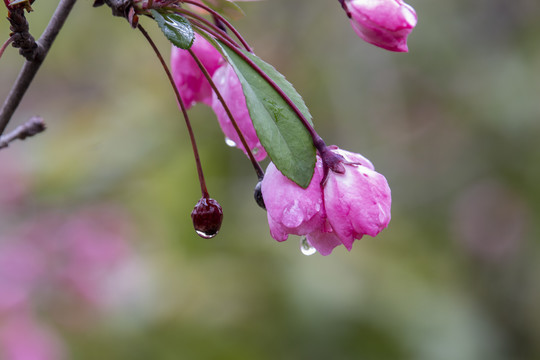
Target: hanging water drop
{"points": [[255, 150], [230, 142], [206, 235], [306, 248]]}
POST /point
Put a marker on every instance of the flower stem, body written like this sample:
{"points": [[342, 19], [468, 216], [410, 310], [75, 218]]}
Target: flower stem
{"points": [[222, 19], [215, 29], [256, 166], [6, 44], [202, 182], [344, 6], [30, 68]]}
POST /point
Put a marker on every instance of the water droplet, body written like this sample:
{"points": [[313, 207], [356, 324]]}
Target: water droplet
{"points": [[306, 248], [255, 150], [206, 235], [230, 142]]}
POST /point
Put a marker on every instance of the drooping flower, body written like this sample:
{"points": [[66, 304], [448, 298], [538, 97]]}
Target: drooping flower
{"points": [[189, 79], [383, 23], [358, 201], [230, 88], [343, 209]]}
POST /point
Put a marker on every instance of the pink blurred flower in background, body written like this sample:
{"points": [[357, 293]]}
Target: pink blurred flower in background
{"points": [[23, 338], [348, 206], [189, 79], [57, 259], [384, 23], [13, 184], [229, 86], [74, 252]]}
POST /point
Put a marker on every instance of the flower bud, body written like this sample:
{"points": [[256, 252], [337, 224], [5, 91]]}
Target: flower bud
{"points": [[383, 23], [207, 217], [257, 194]]}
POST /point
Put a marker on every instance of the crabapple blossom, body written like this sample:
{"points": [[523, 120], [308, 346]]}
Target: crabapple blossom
{"points": [[383, 23], [189, 79], [229, 86], [332, 210]]}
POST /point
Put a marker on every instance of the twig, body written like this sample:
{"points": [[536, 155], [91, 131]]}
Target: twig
{"points": [[30, 68], [32, 127]]}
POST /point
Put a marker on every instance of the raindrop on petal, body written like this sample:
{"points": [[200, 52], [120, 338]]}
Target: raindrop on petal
{"points": [[206, 235], [306, 248], [230, 142]]}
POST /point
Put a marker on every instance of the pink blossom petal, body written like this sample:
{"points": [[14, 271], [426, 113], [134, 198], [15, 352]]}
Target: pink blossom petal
{"points": [[292, 209], [229, 86], [189, 79], [383, 23], [357, 203], [324, 241]]}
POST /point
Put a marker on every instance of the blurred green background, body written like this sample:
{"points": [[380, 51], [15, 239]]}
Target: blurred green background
{"points": [[453, 125]]}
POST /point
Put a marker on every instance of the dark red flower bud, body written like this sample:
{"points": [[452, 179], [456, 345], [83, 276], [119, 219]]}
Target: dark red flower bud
{"points": [[207, 217]]}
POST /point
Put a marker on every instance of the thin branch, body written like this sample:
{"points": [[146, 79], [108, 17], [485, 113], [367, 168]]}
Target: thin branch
{"points": [[30, 68], [202, 182], [32, 127]]}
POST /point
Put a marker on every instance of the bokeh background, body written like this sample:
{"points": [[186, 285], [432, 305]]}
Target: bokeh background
{"points": [[98, 257]]}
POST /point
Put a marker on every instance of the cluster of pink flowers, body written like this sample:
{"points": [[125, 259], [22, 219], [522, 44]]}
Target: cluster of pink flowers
{"points": [[56, 257], [331, 211], [345, 200]]}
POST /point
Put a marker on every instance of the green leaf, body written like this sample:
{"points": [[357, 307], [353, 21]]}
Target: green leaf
{"points": [[281, 132], [176, 28], [225, 7]]}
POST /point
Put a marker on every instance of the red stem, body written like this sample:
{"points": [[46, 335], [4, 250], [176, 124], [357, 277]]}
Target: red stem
{"points": [[221, 18], [204, 190], [6, 44], [215, 29], [256, 166]]}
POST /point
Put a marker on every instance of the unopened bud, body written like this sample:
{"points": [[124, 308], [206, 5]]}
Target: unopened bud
{"points": [[258, 195], [207, 217]]}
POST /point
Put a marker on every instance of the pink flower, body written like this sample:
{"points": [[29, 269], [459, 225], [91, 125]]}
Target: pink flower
{"points": [[383, 23], [348, 206], [229, 86], [189, 79]]}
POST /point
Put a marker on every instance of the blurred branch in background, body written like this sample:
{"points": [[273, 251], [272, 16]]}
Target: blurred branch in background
{"points": [[32, 127], [36, 55]]}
